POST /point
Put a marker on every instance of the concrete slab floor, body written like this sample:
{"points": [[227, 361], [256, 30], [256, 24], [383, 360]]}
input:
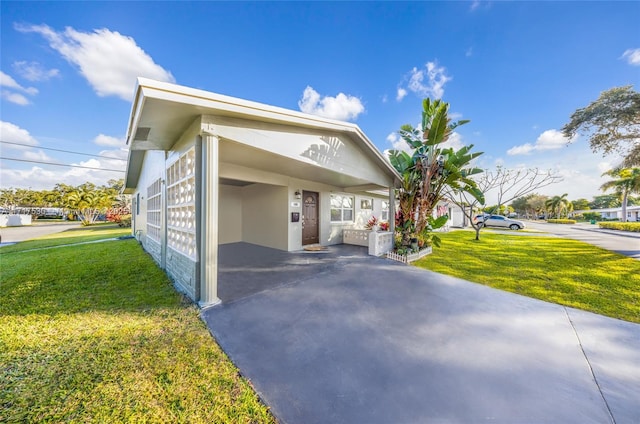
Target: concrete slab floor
{"points": [[359, 339]]}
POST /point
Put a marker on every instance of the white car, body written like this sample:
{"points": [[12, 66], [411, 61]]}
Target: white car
{"points": [[501, 221]]}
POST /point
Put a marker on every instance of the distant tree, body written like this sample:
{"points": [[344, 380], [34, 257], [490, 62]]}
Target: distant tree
{"points": [[580, 204], [612, 123], [559, 205], [536, 204], [625, 182], [90, 201], [510, 184], [605, 201], [520, 205]]}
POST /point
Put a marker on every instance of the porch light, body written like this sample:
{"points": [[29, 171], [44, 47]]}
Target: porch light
{"points": [[298, 195]]}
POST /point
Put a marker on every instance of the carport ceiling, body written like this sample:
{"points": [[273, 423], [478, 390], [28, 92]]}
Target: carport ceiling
{"points": [[253, 158]]}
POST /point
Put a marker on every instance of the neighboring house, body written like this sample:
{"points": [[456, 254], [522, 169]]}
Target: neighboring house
{"points": [[633, 213], [206, 169]]}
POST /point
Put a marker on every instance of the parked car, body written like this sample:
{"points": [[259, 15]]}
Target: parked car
{"points": [[480, 218], [501, 221]]}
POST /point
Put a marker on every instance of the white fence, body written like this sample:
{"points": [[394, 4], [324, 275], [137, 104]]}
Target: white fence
{"points": [[410, 257]]}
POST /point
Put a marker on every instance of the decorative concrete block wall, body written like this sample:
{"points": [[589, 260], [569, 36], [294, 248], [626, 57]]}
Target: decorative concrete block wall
{"points": [[182, 271]]}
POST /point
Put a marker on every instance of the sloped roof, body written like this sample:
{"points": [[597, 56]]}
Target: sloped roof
{"points": [[161, 112]]}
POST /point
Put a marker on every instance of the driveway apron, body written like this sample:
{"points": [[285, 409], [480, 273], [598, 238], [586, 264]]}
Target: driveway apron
{"points": [[365, 340]]}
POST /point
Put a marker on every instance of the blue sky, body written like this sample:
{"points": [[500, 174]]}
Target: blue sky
{"points": [[517, 70]]}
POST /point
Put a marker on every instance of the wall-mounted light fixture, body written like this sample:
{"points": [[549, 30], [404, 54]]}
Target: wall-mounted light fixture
{"points": [[297, 194]]}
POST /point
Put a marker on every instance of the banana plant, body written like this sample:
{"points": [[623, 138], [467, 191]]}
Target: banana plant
{"points": [[428, 168]]}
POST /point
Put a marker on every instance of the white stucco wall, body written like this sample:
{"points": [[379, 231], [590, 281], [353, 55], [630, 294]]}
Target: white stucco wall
{"points": [[264, 215], [152, 169], [230, 214]]}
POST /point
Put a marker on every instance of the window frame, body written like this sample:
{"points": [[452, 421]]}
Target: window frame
{"points": [[342, 208]]}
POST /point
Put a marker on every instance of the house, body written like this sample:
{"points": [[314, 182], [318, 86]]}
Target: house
{"points": [[633, 213], [206, 169]]}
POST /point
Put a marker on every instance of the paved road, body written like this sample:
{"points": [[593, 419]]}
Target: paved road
{"points": [[10, 235], [623, 242]]}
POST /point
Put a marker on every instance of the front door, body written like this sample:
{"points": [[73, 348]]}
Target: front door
{"points": [[310, 217]]}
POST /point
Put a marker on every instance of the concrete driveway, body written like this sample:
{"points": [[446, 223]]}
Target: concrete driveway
{"points": [[358, 339]]}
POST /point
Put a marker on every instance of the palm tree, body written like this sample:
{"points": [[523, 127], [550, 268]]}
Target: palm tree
{"points": [[626, 182], [558, 204], [89, 201]]}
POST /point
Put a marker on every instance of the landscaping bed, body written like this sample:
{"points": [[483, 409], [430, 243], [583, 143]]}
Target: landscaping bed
{"points": [[622, 226]]}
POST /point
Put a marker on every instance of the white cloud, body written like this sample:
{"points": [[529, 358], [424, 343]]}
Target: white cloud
{"points": [[398, 142], [14, 134], [604, 166], [37, 155], [428, 82], [106, 140], [33, 71], [474, 5], [12, 86], [342, 107], [16, 98], [548, 140], [454, 141], [469, 52], [632, 56], [44, 178], [109, 60]]}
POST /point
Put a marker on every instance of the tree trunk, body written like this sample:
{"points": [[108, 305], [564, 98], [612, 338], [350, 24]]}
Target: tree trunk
{"points": [[624, 206]]}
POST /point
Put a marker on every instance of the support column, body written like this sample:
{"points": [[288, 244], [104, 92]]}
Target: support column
{"points": [[209, 222], [392, 210]]}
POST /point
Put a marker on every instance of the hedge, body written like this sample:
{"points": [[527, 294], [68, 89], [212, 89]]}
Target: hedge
{"points": [[561, 221], [624, 226]]}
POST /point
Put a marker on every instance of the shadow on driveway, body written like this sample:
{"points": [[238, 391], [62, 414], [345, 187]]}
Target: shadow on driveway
{"points": [[347, 338]]}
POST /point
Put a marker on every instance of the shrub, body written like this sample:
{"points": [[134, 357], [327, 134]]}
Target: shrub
{"points": [[592, 216], [622, 226], [125, 221], [561, 221]]}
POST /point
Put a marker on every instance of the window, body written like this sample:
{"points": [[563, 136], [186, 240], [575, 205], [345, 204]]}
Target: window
{"points": [[384, 216], [181, 205], [341, 208], [366, 204], [154, 208]]}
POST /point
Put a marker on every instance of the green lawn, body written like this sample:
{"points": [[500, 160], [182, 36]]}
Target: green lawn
{"points": [[96, 333], [562, 271]]}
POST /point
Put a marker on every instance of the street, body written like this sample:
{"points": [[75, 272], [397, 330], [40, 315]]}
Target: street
{"points": [[10, 235], [623, 242]]}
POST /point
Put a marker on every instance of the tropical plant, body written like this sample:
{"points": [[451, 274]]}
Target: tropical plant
{"points": [[559, 205], [90, 202], [626, 182], [427, 170]]}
